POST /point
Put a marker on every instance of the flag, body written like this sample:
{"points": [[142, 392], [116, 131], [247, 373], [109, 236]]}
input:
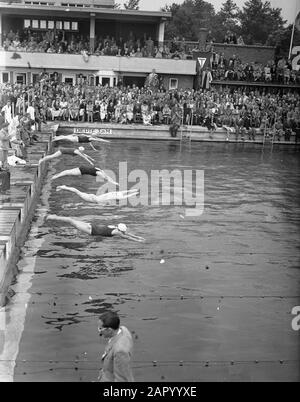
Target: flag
{"points": [[297, 21], [201, 61]]}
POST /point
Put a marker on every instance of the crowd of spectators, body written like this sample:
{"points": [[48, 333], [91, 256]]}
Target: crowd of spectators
{"points": [[59, 42], [237, 108], [17, 133], [233, 69]]}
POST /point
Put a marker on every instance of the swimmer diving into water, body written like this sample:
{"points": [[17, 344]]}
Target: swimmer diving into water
{"points": [[82, 170], [68, 151], [95, 229], [100, 199], [80, 138]]}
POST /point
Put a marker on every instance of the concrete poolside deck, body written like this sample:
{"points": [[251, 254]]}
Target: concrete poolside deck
{"points": [[160, 132], [17, 206]]}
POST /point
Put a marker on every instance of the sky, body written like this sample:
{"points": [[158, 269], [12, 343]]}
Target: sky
{"points": [[288, 6]]}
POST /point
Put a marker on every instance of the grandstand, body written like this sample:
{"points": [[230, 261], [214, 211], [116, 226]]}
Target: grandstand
{"points": [[80, 39], [69, 23]]}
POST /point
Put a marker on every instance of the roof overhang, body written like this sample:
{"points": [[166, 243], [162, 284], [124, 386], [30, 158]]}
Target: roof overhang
{"points": [[83, 13]]}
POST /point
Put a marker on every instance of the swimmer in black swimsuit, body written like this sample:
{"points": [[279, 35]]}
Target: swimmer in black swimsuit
{"points": [[80, 138], [68, 151], [102, 198], [95, 229], [81, 170]]}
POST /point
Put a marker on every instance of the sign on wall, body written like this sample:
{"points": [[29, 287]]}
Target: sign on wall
{"points": [[100, 131]]}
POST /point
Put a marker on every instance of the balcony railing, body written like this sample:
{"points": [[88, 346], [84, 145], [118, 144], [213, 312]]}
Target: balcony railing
{"points": [[10, 59]]}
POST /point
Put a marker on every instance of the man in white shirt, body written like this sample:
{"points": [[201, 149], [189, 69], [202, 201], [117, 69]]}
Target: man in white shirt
{"points": [[7, 110], [30, 110]]}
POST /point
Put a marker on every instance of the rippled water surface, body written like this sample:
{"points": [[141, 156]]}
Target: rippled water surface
{"points": [[200, 296]]}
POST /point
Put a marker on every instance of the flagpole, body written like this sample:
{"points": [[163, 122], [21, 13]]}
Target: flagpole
{"points": [[293, 31], [292, 39]]}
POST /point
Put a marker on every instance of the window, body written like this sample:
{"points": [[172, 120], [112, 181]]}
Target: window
{"points": [[5, 78], [21, 78], [105, 81], [173, 83], [68, 78], [35, 78], [44, 24]]}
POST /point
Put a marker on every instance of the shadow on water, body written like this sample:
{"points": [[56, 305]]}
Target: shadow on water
{"points": [[97, 268]]}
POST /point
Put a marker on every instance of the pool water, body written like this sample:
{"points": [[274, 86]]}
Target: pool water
{"points": [[207, 298]]}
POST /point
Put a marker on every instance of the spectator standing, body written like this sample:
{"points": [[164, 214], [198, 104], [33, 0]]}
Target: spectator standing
{"points": [[7, 110], [150, 47], [4, 143], [206, 79]]}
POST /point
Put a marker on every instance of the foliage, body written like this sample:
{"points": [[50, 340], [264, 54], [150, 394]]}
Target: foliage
{"points": [[258, 20], [255, 22], [128, 5], [188, 17], [281, 40], [227, 19], [132, 4]]}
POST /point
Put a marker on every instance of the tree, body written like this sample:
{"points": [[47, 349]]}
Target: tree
{"points": [[171, 28], [188, 17], [281, 40], [132, 5], [258, 20], [229, 15], [227, 19]]}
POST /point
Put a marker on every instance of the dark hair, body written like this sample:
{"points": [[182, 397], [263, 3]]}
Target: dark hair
{"points": [[110, 319]]}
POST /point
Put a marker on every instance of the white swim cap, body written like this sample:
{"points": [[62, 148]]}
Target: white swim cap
{"points": [[122, 227], [81, 149]]}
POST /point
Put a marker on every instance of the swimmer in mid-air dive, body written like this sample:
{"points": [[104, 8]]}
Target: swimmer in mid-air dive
{"points": [[68, 151], [81, 170], [102, 198], [95, 229], [79, 138]]}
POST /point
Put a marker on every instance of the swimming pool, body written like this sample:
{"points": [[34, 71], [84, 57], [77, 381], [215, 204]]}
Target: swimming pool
{"points": [[207, 298]]}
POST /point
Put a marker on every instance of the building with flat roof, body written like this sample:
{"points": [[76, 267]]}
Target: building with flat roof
{"points": [[87, 23]]}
